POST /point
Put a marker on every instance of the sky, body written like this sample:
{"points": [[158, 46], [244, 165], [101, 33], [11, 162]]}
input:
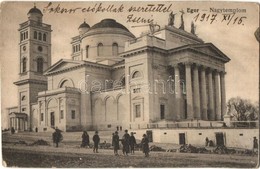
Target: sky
{"points": [[235, 39]]}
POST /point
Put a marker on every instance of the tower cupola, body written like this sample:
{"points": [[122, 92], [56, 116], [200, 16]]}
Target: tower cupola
{"points": [[35, 14], [84, 27]]}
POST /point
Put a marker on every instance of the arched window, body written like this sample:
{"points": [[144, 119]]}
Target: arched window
{"points": [[35, 35], [24, 65], [40, 65], [100, 49], [23, 98], [136, 74], [40, 36], [64, 84], [87, 51], [44, 37], [115, 49]]}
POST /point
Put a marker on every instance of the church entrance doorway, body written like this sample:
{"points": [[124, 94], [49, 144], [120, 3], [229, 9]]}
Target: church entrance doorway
{"points": [[181, 138], [52, 120], [219, 139]]}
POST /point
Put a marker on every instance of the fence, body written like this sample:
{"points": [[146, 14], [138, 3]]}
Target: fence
{"points": [[196, 124]]}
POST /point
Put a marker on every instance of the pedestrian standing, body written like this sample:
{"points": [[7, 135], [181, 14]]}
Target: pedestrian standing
{"points": [[116, 143], [132, 143], [255, 144], [125, 142], [113, 134], [12, 130], [96, 141], [206, 142], [145, 145], [85, 139], [57, 137]]}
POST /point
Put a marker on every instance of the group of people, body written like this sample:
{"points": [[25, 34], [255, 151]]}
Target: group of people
{"points": [[85, 140], [128, 142]]}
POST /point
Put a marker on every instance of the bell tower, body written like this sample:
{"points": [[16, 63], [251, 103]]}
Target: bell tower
{"points": [[34, 59]]}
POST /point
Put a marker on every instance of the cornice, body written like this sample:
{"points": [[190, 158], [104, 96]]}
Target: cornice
{"points": [[34, 81]]}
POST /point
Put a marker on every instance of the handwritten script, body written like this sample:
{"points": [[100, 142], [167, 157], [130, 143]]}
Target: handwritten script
{"points": [[111, 8]]}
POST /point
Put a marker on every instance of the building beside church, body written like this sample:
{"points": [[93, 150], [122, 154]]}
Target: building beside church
{"points": [[116, 79]]}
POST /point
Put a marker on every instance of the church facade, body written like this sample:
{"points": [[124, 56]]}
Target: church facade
{"points": [[116, 79]]}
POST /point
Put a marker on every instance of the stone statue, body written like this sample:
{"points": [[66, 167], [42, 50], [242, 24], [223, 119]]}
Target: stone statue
{"points": [[193, 28], [153, 26], [171, 19], [182, 21]]}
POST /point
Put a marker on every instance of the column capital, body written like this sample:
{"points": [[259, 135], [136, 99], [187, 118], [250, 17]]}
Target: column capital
{"points": [[198, 65], [188, 63], [223, 72], [175, 65], [202, 67]]}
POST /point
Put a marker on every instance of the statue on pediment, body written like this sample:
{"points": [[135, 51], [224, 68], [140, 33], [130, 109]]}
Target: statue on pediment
{"points": [[182, 21], [171, 19], [193, 28]]}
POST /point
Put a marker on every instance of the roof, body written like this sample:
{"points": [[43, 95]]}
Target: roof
{"points": [[108, 23], [66, 65], [204, 48], [35, 10], [84, 25]]}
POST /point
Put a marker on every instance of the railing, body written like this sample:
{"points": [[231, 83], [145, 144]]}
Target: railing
{"points": [[196, 124], [34, 23]]}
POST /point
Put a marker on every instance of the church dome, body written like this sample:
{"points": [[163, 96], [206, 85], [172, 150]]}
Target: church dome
{"points": [[35, 11], [109, 23], [108, 26], [84, 25]]}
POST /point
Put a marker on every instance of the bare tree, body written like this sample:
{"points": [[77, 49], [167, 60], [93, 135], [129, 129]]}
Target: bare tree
{"points": [[242, 109]]}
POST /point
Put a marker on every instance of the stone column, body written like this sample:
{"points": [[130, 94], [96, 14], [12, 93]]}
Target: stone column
{"points": [[203, 93], [211, 109], [178, 91], [189, 91], [58, 114], [217, 101], [196, 91], [223, 94], [17, 123]]}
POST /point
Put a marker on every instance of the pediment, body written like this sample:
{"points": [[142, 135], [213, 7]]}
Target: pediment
{"points": [[62, 65], [211, 50]]}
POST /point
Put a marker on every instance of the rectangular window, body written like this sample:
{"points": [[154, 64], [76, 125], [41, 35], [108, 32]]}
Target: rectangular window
{"points": [[73, 114], [23, 109], [137, 110], [137, 90], [162, 111], [41, 116], [61, 114]]}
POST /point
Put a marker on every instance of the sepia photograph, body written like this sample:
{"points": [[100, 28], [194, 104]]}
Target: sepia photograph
{"points": [[119, 84]]}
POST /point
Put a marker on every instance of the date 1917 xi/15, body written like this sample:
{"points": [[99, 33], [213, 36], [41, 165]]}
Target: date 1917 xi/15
{"points": [[230, 18]]}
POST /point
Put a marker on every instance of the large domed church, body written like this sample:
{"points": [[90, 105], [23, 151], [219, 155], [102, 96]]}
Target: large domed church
{"points": [[114, 79]]}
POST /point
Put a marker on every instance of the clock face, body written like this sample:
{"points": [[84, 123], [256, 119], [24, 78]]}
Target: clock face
{"points": [[39, 48], [24, 48]]}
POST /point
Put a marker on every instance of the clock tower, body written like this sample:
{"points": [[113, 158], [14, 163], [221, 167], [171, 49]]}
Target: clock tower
{"points": [[34, 59]]}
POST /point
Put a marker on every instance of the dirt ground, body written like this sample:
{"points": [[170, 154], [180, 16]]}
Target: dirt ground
{"points": [[69, 155]]}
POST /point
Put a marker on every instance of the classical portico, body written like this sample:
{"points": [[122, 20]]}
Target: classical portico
{"points": [[18, 121], [204, 90]]}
